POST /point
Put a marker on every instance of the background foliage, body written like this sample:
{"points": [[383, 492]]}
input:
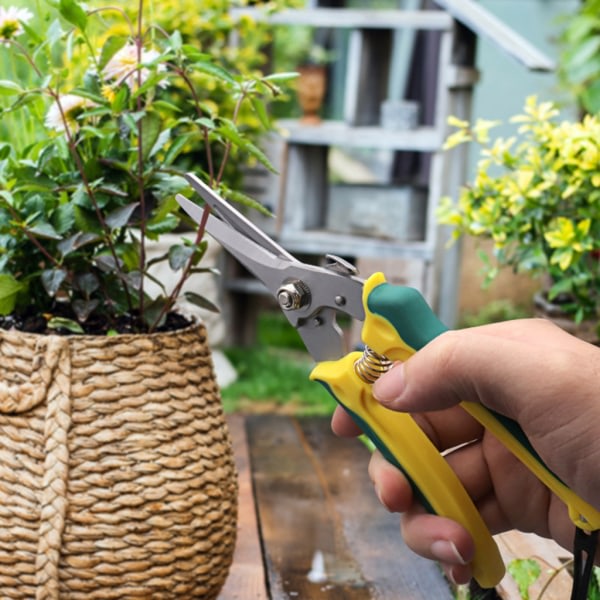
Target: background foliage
{"points": [[105, 107]]}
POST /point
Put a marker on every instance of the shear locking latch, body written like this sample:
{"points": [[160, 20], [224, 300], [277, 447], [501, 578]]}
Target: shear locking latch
{"points": [[584, 550]]}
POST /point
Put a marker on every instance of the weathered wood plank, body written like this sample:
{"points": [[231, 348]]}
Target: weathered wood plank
{"points": [[351, 18], [246, 579], [320, 519], [372, 532], [514, 544], [339, 133], [486, 25]]}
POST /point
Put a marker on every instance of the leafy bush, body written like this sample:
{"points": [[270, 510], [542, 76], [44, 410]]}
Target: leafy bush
{"points": [[115, 109], [537, 196]]}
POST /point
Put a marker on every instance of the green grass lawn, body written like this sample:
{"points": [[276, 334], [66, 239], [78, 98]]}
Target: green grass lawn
{"points": [[273, 374]]}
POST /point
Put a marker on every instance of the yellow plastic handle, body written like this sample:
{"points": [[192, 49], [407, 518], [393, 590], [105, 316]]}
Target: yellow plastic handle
{"points": [[405, 445]]}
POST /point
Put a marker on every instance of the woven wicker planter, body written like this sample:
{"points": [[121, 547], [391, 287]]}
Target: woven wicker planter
{"points": [[116, 471]]}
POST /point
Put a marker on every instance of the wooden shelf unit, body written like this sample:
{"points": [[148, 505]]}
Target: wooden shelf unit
{"points": [[303, 201]]}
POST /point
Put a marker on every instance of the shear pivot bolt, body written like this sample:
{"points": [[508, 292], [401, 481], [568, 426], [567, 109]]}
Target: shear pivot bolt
{"points": [[293, 295]]}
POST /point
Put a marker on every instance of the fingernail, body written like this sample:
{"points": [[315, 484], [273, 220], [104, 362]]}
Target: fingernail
{"points": [[446, 552], [448, 572], [389, 387]]}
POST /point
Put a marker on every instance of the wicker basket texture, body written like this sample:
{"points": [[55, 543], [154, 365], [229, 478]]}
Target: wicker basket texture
{"points": [[117, 477]]}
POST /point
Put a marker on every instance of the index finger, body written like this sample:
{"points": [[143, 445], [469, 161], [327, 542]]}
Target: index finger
{"points": [[343, 424], [446, 429]]}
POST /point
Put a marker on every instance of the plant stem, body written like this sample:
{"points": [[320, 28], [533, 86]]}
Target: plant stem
{"points": [[140, 159], [72, 145], [209, 158], [32, 238], [213, 182], [236, 111], [80, 167], [553, 576], [186, 272]]}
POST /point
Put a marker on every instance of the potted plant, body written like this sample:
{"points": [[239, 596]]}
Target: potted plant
{"points": [[537, 196], [297, 49], [116, 468]]}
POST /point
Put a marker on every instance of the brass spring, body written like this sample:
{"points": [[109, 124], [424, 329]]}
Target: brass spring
{"points": [[371, 366]]}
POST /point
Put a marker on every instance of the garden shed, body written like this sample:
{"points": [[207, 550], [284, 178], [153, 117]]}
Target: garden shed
{"points": [[365, 189]]}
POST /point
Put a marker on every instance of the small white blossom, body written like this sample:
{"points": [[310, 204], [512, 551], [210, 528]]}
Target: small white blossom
{"points": [[71, 106], [121, 68], [11, 20]]}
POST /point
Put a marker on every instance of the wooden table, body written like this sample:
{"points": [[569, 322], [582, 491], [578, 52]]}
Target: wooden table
{"points": [[310, 526]]}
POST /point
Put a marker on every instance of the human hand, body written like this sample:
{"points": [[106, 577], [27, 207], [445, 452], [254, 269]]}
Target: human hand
{"points": [[530, 371]]}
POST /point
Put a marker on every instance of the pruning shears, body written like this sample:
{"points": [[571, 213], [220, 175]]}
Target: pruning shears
{"points": [[397, 322]]}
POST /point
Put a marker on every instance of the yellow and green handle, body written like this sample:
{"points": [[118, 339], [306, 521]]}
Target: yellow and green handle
{"points": [[398, 322]]}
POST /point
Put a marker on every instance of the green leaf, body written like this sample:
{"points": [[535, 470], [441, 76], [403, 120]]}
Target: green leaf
{"points": [[63, 218], [168, 106], [192, 53], [163, 137], [246, 200], [151, 125], [176, 40], [163, 224], [86, 220], [152, 311], [262, 158], [584, 52], [562, 286], [44, 231], [72, 12], [9, 88], [88, 283], [88, 94], [231, 133], [68, 324], [216, 71], [525, 572], [179, 255], [206, 123], [261, 112], [150, 83], [112, 45], [76, 241], [9, 289], [107, 264], [120, 217], [176, 147], [591, 97], [52, 280], [120, 100], [201, 302], [5, 150], [84, 308], [32, 34], [594, 591]]}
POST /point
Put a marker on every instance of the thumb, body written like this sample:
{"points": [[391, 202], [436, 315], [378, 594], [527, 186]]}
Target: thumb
{"points": [[495, 365], [429, 380]]}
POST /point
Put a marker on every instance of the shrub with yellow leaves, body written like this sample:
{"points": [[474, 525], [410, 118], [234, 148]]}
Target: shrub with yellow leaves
{"points": [[537, 196]]}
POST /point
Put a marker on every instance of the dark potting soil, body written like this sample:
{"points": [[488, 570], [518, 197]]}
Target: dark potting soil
{"points": [[36, 323]]}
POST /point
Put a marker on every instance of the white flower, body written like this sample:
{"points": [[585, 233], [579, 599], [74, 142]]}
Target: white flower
{"points": [[11, 19], [71, 106], [121, 68]]}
